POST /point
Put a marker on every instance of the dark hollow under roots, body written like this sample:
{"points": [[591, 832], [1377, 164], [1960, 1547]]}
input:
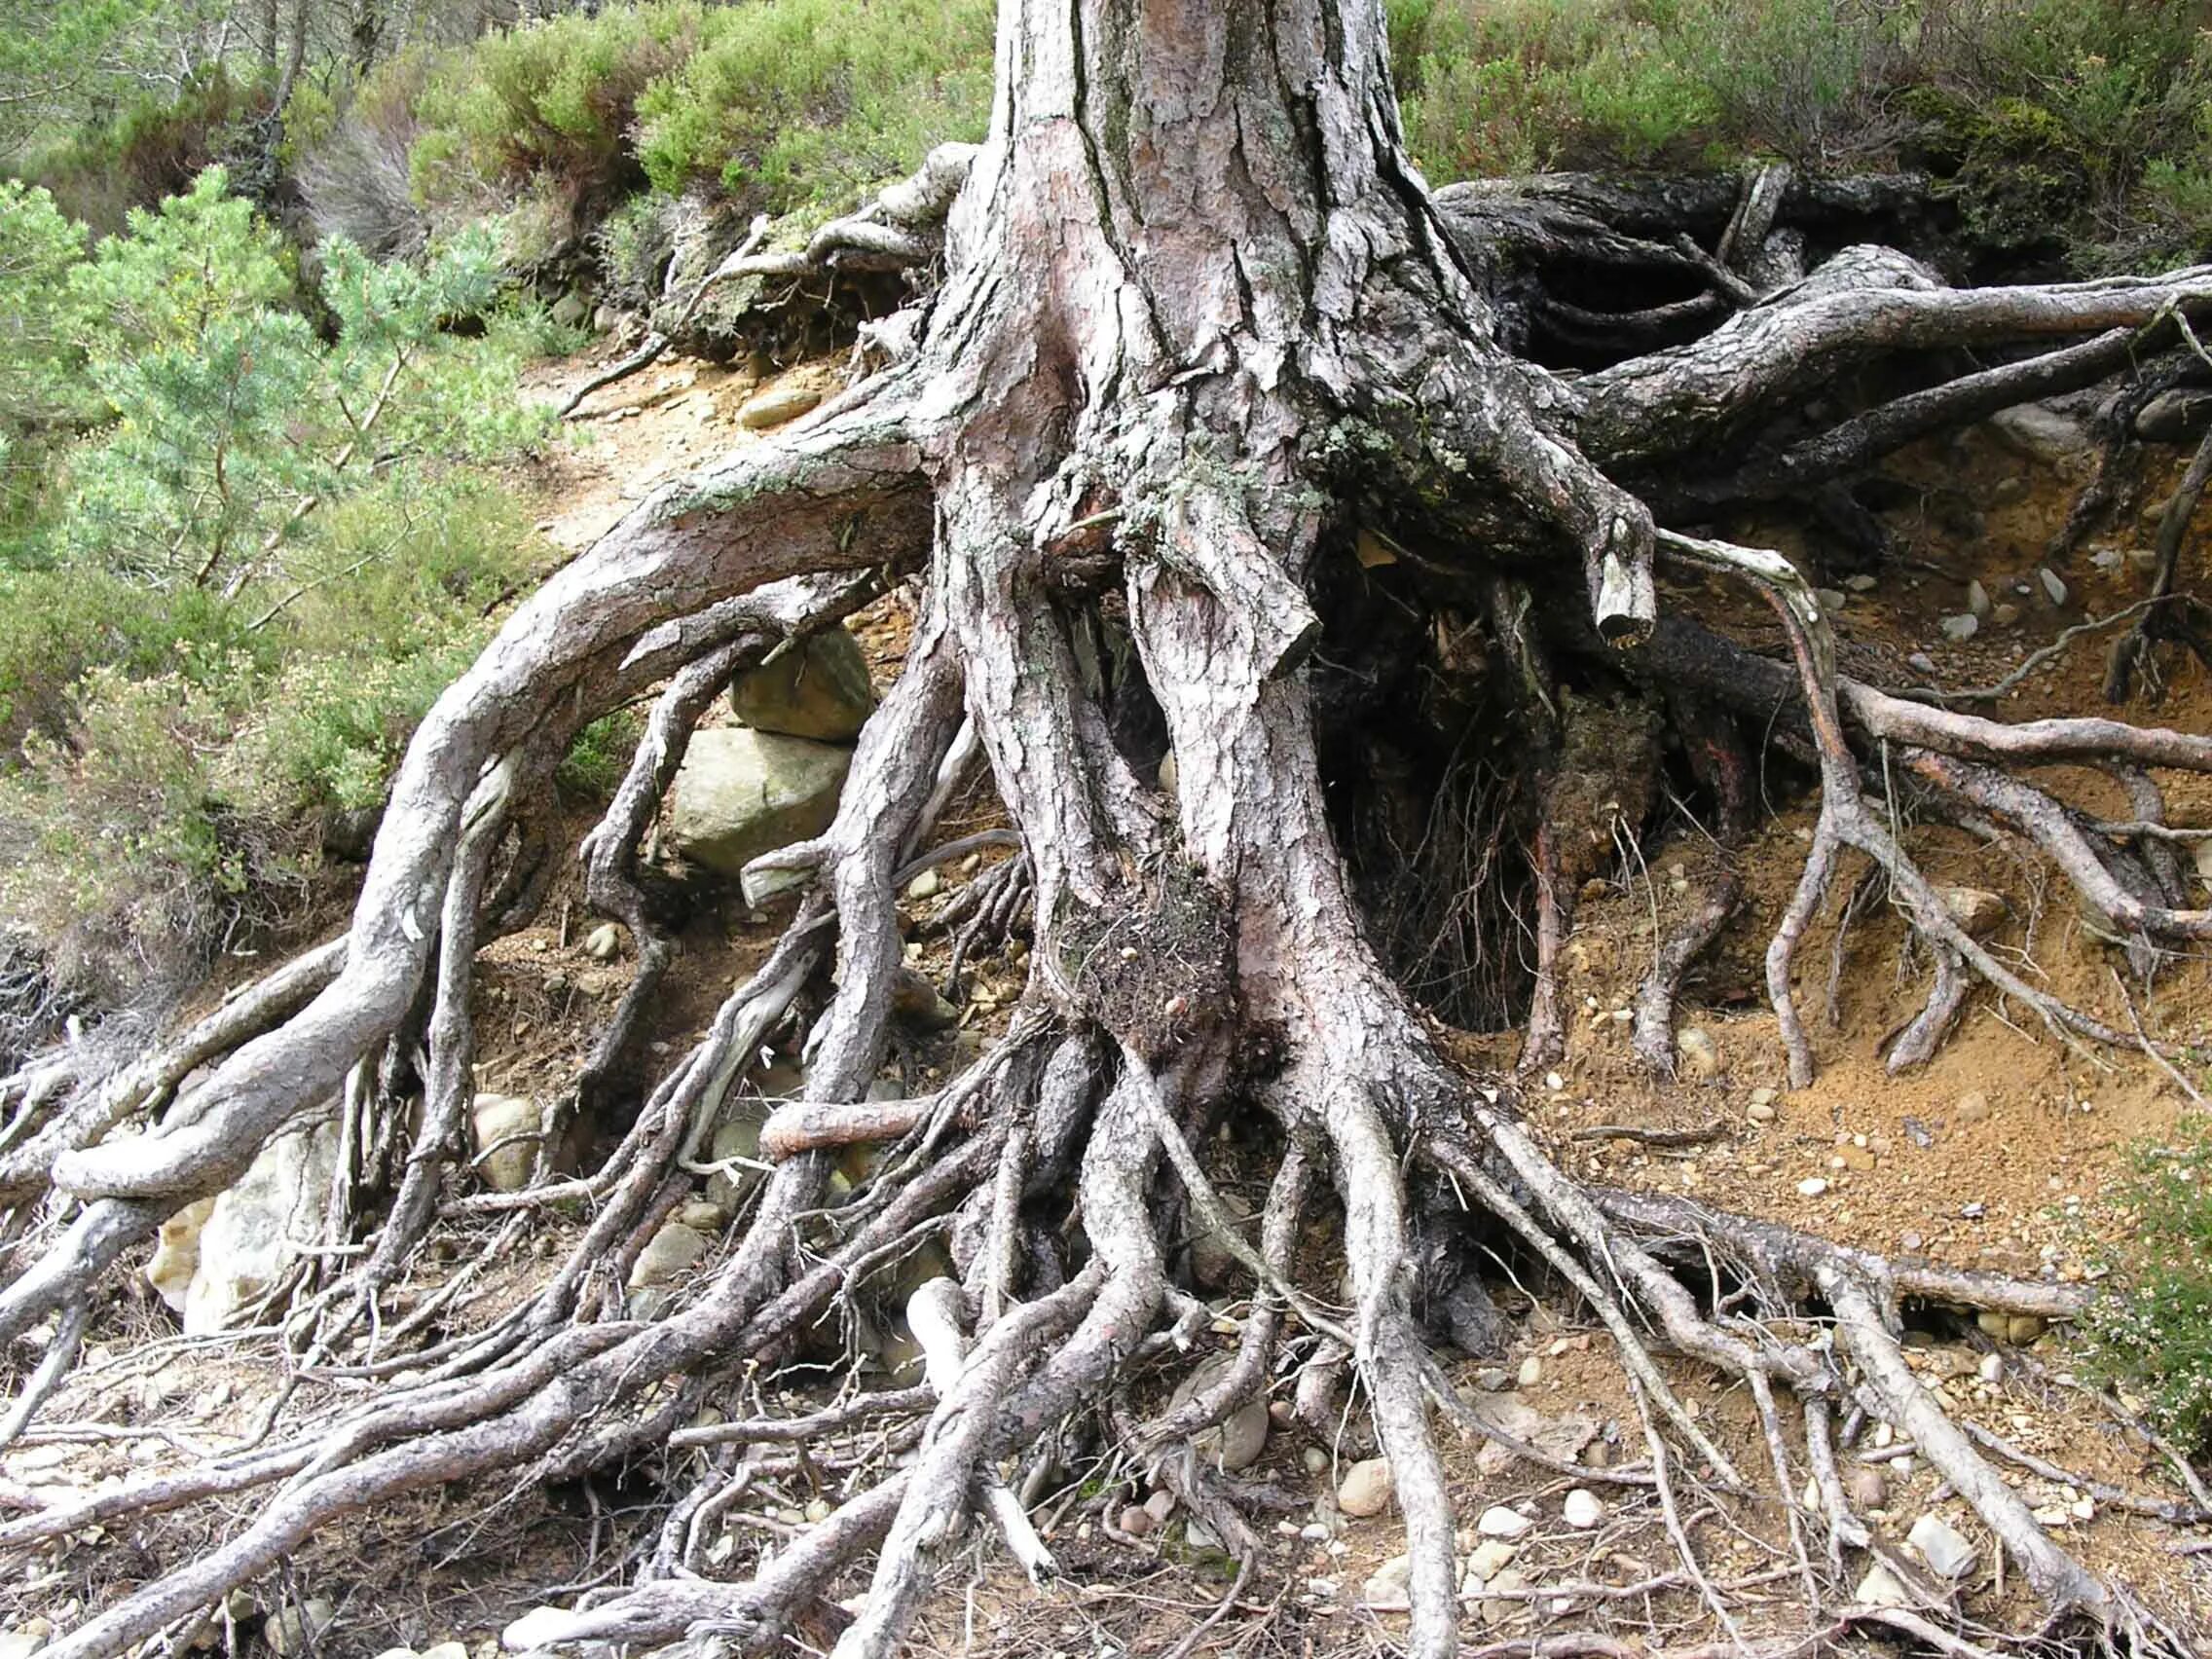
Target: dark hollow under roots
{"points": [[1143, 467]]}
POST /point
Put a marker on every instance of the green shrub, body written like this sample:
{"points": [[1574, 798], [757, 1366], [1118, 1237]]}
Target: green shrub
{"points": [[798, 104], [2151, 1333], [248, 580], [155, 147]]}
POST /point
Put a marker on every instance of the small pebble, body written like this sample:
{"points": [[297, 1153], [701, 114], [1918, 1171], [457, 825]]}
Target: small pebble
{"points": [[1530, 1374], [1812, 1187], [1583, 1509], [1499, 1522]]}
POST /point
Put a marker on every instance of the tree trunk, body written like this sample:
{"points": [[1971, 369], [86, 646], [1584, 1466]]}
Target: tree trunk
{"points": [[1203, 329]]}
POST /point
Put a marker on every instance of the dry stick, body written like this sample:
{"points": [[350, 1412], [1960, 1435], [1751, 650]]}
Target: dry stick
{"points": [[657, 341], [2060, 1580], [814, 1425], [932, 1315], [2157, 1057], [960, 1434], [2019, 676], [52, 1366], [2104, 1492], [1465, 1170]]}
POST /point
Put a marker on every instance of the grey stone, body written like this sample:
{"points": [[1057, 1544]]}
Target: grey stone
{"points": [[1365, 1488], [2007, 491], [740, 793], [605, 942], [1236, 1443], [739, 1138], [1961, 628], [19, 1644], [509, 1128], [1213, 1264], [571, 309], [1941, 1546], [2053, 585], [2174, 415], [1866, 1488], [1976, 910], [1922, 661], [2043, 434], [820, 690], [675, 1249], [1977, 599], [256, 1228], [291, 1630]]}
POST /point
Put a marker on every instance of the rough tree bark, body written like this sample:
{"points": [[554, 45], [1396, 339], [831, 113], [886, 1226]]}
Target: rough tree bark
{"points": [[1201, 325]]}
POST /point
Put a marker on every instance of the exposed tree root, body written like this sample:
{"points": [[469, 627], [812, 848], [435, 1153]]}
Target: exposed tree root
{"points": [[1185, 348]]}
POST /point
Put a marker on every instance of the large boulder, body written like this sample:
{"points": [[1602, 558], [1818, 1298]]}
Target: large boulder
{"points": [[820, 690], [742, 792], [257, 1227]]}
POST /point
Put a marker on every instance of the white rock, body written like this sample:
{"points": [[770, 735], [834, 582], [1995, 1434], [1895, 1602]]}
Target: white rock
{"points": [[19, 1644], [1977, 600], [256, 1228], [445, 1650], [1583, 1509], [1531, 1372], [1941, 1546], [2053, 585], [1962, 627], [1882, 1588], [1992, 1368], [1365, 1488], [1489, 1557], [1499, 1522], [604, 942], [1812, 1187]]}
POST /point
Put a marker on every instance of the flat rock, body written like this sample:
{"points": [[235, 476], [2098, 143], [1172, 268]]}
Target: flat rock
{"points": [[1237, 1442], [740, 793], [1490, 1558], [1365, 1488], [1941, 1546], [1882, 1588], [820, 690]]}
